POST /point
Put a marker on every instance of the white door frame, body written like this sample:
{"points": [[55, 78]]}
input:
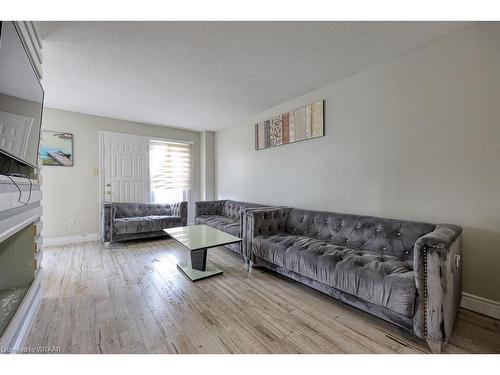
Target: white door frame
{"points": [[101, 156]]}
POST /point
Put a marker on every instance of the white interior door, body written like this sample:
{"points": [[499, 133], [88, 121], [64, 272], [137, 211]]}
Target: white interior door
{"points": [[125, 168]]}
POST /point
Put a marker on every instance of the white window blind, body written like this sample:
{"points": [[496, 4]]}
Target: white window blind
{"points": [[171, 170]]}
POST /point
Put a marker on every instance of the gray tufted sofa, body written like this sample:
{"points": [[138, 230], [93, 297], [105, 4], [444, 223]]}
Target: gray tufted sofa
{"points": [[406, 272], [227, 216], [128, 221]]}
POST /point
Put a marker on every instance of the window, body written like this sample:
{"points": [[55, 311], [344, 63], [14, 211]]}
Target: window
{"points": [[170, 170]]}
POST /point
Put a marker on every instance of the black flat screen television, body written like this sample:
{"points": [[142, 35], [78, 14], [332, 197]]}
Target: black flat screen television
{"points": [[21, 99]]}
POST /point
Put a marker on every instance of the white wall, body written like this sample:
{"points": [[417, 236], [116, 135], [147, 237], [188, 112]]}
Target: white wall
{"points": [[416, 137], [207, 161], [73, 192]]}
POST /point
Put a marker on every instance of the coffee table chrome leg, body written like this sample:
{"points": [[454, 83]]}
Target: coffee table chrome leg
{"points": [[199, 259]]}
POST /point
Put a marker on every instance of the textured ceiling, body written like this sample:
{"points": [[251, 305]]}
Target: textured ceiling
{"points": [[207, 75]]}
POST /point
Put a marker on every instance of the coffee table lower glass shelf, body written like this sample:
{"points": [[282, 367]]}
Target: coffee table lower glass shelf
{"points": [[197, 239]]}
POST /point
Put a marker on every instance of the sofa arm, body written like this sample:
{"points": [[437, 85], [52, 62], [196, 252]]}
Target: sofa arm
{"points": [[107, 215], [438, 280], [208, 208], [262, 222], [180, 209], [243, 225]]}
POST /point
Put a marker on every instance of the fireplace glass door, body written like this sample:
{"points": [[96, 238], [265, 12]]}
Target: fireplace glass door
{"points": [[16, 272]]}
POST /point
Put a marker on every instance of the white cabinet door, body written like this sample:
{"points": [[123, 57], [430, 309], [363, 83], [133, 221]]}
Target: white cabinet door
{"points": [[125, 168]]}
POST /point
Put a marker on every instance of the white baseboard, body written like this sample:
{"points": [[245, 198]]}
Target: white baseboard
{"points": [[56, 241], [481, 305]]}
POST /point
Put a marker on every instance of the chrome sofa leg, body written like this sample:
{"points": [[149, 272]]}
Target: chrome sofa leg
{"points": [[250, 265], [247, 264], [435, 346]]}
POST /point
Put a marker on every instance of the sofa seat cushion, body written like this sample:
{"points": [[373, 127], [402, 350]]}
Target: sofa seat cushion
{"points": [[222, 223], [140, 224], [384, 280]]}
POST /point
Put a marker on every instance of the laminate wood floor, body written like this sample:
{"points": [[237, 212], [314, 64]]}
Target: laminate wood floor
{"points": [[131, 298]]}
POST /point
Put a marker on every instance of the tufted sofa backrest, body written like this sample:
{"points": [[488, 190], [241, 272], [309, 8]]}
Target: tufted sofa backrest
{"points": [[232, 209], [141, 209], [369, 233]]}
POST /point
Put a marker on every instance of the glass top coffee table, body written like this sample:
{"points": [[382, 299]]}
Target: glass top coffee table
{"points": [[198, 239]]}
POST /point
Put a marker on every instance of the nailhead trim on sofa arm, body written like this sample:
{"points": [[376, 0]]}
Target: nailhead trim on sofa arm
{"points": [[437, 267]]}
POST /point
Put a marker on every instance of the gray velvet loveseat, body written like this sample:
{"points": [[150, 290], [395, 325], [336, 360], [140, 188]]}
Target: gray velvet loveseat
{"points": [[227, 216], [128, 221], [408, 273]]}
